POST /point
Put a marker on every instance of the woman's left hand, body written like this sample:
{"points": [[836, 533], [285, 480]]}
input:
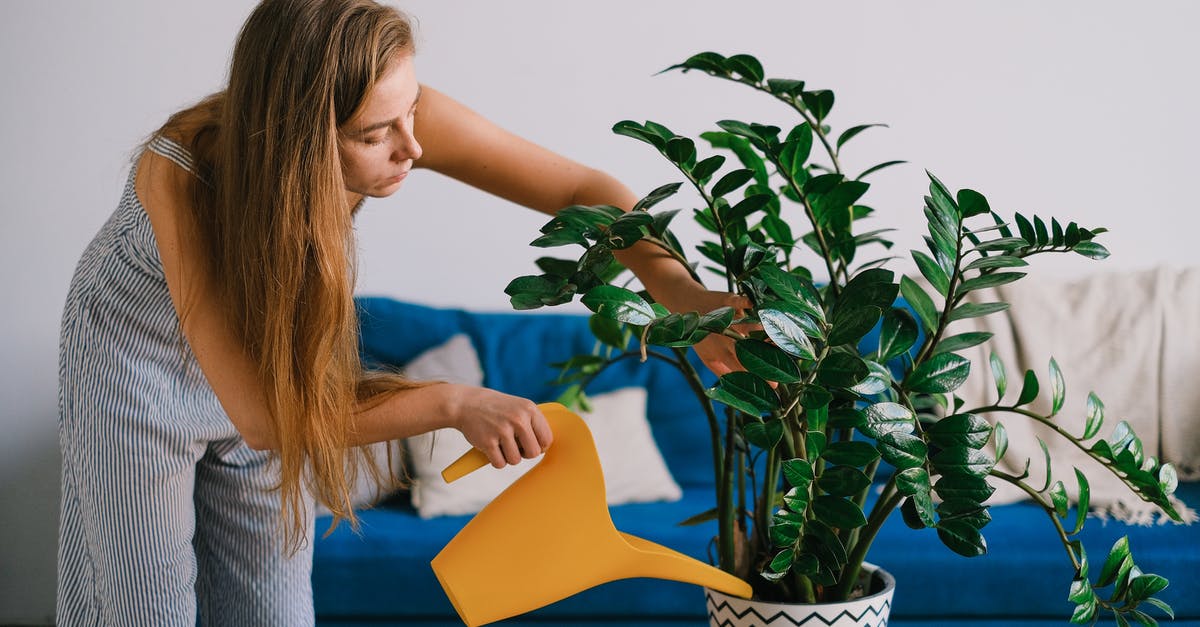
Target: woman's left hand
{"points": [[716, 351]]}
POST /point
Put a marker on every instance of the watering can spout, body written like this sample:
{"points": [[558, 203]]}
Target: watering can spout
{"points": [[552, 526]]}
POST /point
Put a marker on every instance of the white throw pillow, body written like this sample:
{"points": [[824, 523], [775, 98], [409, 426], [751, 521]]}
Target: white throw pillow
{"points": [[455, 361], [634, 470]]}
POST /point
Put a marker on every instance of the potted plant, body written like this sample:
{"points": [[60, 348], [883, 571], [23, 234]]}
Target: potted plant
{"points": [[801, 436]]}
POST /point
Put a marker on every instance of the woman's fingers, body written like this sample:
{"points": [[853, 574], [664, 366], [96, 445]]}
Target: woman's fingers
{"points": [[506, 428]]}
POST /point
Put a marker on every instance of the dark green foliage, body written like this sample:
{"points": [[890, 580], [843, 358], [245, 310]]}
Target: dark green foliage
{"points": [[807, 401]]}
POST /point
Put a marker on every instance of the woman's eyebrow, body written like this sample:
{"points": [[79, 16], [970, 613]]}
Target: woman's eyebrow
{"points": [[378, 125]]}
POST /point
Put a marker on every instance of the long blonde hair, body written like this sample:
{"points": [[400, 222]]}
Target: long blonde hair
{"points": [[272, 210]]}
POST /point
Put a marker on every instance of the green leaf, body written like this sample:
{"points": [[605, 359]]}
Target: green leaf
{"points": [[703, 170], [816, 397], [850, 453], [1081, 591], [1006, 244], [1143, 587], [1092, 250], [1058, 387], [966, 430], [912, 481], [849, 134], [745, 66], [731, 181], [1001, 440], [717, 320], [796, 500], [999, 376], [1162, 606], [608, 331], [964, 487], [1039, 229], [879, 379], [563, 268], [1117, 556], [746, 207], [674, 329], [1095, 416], [792, 289], [989, 280], [619, 304], [767, 361], [838, 512], [785, 534], [798, 472], [658, 195], [920, 302], [875, 168], [850, 325], [819, 102], [843, 480], [783, 561], [972, 203], [1029, 390], [1168, 479], [960, 460], [784, 86], [531, 292], [796, 151], [1058, 496], [897, 334], [942, 373], [681, 150], [902, 450], [888, 417], [697, 519], [942, 200], [629, 128], [975, 310], [932, 271], [961, 341], [1084, 612], [996, 261], [704, 61], [971, 512], [764, 435], [560, 237], [841, 370], [1085, 498], [962, 538], [744, 391], [786, 332]]}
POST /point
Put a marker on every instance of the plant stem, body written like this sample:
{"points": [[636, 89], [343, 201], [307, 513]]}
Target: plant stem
{"points": [[724, 499], [1053, 427], [883, 508]]}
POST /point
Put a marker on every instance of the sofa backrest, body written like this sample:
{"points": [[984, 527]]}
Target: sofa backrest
{"points": [[516, 350]]}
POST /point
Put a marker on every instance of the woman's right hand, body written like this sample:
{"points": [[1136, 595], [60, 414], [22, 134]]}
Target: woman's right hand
{"points": [[505, 427]]}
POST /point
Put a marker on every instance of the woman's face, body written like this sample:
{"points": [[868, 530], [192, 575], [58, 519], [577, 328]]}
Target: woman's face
{"points": [[377, 145]]}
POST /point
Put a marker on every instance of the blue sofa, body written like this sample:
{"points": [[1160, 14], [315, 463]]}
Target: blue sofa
{"points": [[382, 576]]}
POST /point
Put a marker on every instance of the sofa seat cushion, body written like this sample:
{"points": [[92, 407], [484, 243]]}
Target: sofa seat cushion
{"points": [[1026, 572]]}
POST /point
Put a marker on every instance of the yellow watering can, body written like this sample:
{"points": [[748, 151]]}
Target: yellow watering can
{"points": [[549, 536]]}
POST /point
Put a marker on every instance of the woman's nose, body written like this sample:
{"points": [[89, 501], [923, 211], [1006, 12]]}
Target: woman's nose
{"points": [[407, 148]]}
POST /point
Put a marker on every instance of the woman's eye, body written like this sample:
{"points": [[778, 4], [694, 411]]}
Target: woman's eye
{"points": [[373, 141]]}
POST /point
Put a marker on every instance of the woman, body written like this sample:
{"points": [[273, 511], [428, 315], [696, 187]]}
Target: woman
{"points": [[209, 372]]}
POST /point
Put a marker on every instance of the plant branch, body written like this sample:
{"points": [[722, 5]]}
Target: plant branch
{"points": [[1037, 498]]}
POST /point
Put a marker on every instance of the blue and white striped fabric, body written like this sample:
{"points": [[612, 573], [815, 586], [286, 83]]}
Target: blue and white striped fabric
{"points": [[168, 518]]}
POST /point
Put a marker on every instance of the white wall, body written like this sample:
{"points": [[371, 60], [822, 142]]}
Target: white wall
{"points": [[1081, 109]]}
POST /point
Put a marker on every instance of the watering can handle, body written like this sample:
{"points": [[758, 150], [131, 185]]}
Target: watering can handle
{"points": [[470, 461]]}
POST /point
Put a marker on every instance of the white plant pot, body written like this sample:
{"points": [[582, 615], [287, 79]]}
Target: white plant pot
{"points": [[872, 610]]}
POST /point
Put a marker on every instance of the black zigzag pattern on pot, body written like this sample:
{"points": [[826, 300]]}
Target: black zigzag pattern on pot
{"points": [[879, 613]]}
